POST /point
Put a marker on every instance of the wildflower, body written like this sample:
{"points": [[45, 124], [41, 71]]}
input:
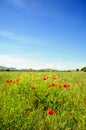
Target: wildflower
{"points": [[28, 112], [9, 81], [50, 112], [71, 114], [54, 78], [33, 87], [17, 79], [45, 78], [60, 86], [52, 85], [36, 78], [66, 85]]}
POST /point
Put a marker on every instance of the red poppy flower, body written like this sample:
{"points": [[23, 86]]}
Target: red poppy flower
{"points": [[45, 78], [54, 78], [66, 85], [50, 112], [71, 114], [9, 81], [52, 85], [33, 88], [17, 79]]}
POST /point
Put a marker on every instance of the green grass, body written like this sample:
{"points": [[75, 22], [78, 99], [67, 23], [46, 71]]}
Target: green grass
{"points": [[24, 104]]}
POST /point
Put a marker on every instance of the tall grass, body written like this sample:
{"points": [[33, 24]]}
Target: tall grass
{"points": [[43, 101]]}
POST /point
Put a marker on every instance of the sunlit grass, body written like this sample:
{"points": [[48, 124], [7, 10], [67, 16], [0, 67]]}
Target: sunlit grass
{"points": [[43, 101]]}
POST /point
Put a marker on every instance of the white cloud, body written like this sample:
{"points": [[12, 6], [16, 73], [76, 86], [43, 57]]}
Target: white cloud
{"points": [[15, 37], [23, 39], [28, 62], [22, 62], [14, 61]]}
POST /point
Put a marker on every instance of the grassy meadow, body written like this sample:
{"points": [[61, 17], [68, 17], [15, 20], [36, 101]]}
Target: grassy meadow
{"points": [[42, 100]]}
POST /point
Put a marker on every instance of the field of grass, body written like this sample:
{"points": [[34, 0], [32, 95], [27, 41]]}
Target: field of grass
{"points": [[42, 100]]}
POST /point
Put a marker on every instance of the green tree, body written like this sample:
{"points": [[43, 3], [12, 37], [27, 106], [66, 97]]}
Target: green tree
{"points": [[83, 69], [77, 69]]}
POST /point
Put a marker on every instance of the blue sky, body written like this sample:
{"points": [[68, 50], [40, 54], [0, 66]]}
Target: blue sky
{"points": [[43, 34]]}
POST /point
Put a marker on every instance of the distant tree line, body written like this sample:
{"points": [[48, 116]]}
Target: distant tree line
{"points": [[2, 68], [83, 69]]}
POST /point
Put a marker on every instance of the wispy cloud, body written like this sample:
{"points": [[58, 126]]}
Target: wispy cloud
{"points": [[14, 37], [17, 3], [21, 62], [28, 62], [15, 61], [36, 7], [23, 39], [30, 5]]}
